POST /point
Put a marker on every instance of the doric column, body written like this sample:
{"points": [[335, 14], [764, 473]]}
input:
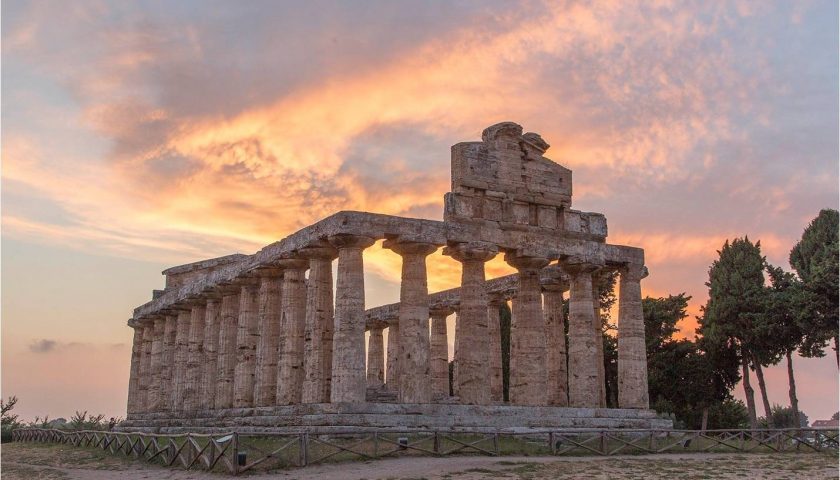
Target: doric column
{"points": [[527, 334], [134, 372], [318, 333], [415, 386], [456, 335], [348, 366], [392, 377], [265, 378], [195, 357], [167, 387], [155, 366], [212, 322], [584, 390], [494, 347], [632, 359], [555, 336], [146, 366], [182, 350], [376, 359], [598, 332], [471, 331], [292, 324], [227, 347], [439, 353], [247, 336]]}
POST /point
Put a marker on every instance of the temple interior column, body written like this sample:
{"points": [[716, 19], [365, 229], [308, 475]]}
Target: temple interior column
{"points": [[268, 345], [494, 347], [134, 371], [632, 359], [376, 358], [210, 373], [555, 335], [455, 355], [227, 347], [471, 331], [584, 390], [439, 353], [156, 365], [348, 366], [415, 386], [292, 324], [527, 334], [167, 359], [392, 377], [318, 332], [598, 331], [182, 352], [247, 337]]}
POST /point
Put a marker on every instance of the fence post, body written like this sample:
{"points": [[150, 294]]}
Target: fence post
{"points": [[552, 443], [436, 447], [496, 443], [303, 438], [235, 449]]}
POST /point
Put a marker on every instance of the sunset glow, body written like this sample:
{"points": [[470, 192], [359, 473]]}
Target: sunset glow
{"points": [[142, 135]]}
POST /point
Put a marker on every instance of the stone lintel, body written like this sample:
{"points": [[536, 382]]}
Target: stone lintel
{"points": [[378, 226]]}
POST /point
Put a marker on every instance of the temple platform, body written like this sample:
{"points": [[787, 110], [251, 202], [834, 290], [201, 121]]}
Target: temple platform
{"points": [[344, 417]]}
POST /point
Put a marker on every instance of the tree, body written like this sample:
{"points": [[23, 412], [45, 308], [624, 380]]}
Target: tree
{"points": [[737, 299], [8, 420], [780, 324], [683, 378], [504, 329], [815, 259]]}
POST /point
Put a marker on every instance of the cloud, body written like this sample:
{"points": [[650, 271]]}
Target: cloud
{"points": [[43, 346]]}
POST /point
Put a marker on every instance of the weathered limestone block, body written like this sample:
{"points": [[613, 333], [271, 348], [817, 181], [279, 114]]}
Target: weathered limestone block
{"points": [[195, 358], [527, 335], [376, 359], [439, 353], [392, 377], [471, 331], [167, 386], [212, 322], [318, 333], [227, 348], [292, 324], [348, 366], [584, 390], [265, 379], [247, 336], [182, 351], [555, 336], [134, 372], [494, 348], [632, 360], [156, 366], [415, 384]]}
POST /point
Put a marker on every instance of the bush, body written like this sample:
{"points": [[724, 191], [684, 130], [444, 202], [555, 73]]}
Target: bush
{"points": [[783, 417]]}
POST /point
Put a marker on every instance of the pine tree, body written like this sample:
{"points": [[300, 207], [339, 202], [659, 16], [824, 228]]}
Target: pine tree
{"points": [[737, 301], [815, 259]]}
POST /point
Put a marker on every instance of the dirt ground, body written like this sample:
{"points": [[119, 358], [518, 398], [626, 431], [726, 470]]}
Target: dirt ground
{"points": [[59, 462]]}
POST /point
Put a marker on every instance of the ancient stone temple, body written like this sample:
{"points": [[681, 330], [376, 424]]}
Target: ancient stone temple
{"points": [[273, 341]]}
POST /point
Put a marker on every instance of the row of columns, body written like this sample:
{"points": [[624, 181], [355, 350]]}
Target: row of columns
{"points": [[276, 339]]}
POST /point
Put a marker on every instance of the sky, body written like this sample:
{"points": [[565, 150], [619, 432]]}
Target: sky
{"points": [[138, 135]]}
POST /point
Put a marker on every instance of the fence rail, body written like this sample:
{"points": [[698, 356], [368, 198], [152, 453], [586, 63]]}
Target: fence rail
{"points": [[236, 453]]}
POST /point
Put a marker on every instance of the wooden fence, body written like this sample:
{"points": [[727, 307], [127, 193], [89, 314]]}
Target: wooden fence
{"points": [[236, 453]]}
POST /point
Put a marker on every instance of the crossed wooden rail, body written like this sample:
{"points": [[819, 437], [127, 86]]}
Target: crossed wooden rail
{"points": [[236, 453]]}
